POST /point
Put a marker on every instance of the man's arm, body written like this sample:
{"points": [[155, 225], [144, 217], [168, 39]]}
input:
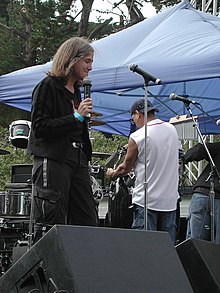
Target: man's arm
{"points": [[125, 167], [198, 152]]}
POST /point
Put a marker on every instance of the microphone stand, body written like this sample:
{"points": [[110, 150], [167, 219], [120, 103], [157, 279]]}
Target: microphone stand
{"points": [[146, 81], [214, 173], [147, 77]]}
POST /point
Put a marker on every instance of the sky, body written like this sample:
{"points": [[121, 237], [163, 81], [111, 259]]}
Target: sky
{"points": [[148, 10]]}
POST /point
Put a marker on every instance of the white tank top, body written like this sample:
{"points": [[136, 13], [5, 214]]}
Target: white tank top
{"points": [[162, 166]]}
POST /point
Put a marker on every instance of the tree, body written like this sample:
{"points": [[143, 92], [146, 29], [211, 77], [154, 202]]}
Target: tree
{"points": [[36, 30], [83, 26], [32, 30], [14, 156]]}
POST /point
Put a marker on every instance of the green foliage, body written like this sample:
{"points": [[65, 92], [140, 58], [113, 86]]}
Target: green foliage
{"points": [[10, 49], [16, 156], [25, 46], [9, 114], [159, 5], [34, 30], [103, 143], [107, 143]]}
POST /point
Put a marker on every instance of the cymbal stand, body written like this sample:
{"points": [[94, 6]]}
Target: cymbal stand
{"points": [[211, 178], [120, 153], [30, 234]]}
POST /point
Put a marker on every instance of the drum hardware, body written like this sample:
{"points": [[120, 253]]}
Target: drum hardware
{"points": [[15, 224], [130, 180], [5, 262], [120, 209], [97, 172], [15, 203], [96, 182], [95, 169], [19, 132], [2, 244], [11, 231], [101, 155], [96, 122], [19, 186], [96, 189], [116, 158], [4, 202], [2, 222], [20, 173], [112, 189], [95, 114], [19, 249], [4, 152]]}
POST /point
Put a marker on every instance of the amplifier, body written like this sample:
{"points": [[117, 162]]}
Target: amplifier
{"points": [[21, 173]]}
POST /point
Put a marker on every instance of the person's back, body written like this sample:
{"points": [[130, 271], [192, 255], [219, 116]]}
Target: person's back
{"points": [[162, 165]]}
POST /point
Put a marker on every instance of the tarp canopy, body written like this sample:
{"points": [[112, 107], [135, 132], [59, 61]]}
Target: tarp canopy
{"points": [[180, 45]]}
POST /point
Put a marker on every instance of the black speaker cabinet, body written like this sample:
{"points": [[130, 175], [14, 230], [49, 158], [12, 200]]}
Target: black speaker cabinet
{"points": [[201, 261], [21, 173], [98, 260]]}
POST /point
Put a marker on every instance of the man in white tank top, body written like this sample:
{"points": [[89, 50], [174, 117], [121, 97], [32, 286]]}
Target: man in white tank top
{"points": [[162, 170]]}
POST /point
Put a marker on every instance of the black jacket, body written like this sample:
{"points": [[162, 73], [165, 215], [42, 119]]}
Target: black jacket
{"points": [[198, 153], [53, 126]]}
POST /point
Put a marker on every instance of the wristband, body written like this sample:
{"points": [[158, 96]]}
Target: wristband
{"points": [[78, 116]]}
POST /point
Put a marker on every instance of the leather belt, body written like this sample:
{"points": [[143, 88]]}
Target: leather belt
{"points": [[77, 145]]}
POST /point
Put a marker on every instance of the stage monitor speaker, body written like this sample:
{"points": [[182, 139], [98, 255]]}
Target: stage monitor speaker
{"points": [[201, 261], [96, 260]]}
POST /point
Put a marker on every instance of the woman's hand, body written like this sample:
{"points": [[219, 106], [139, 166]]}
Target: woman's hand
{"points": [[85, 107]]}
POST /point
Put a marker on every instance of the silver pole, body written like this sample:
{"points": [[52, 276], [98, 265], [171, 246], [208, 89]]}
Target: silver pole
{"points": [[31, 218], [145, 158]]}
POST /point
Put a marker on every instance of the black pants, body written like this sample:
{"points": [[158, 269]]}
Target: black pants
{"points": [[62, 193]]}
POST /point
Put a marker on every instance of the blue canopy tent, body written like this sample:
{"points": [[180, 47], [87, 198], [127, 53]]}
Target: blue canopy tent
{"points": [[180, 45]]}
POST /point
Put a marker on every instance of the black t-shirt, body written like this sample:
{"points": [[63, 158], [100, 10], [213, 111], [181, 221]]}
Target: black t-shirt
{"points": [[198, 153]]}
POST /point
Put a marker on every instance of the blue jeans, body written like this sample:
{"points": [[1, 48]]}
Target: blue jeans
{"points": [[199, 222], [156, 221]]}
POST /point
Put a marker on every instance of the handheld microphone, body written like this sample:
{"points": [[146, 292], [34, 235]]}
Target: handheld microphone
{"points": [[182, 99], [218, 122], [87, 85], [146, 76]]}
